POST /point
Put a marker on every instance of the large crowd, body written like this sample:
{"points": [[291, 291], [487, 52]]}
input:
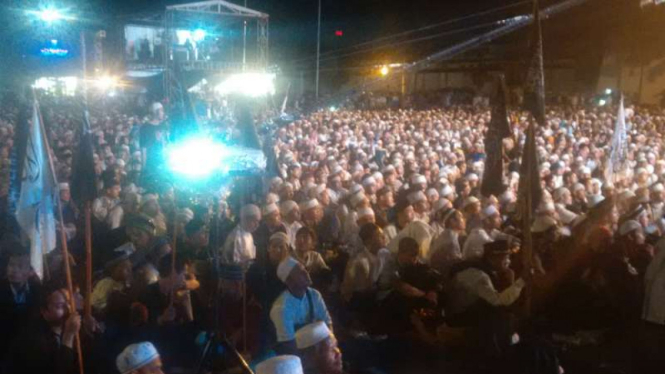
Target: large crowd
{"points": [[369, 249]]}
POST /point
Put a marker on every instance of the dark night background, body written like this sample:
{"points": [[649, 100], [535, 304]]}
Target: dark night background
{"points": [[583, 34]]}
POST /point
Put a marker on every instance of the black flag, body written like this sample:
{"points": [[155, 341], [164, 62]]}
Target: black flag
{"points": [[83, 187], [534, 90], [497, 129]]}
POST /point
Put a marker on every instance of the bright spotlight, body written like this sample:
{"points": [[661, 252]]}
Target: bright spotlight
{"points": [[332, 108], [602, 102], [608, 91], [199, 34], [248, 84], [196, 157], [50, 15], [384, 70], [106, 82]]}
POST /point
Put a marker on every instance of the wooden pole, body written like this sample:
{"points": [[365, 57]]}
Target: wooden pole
{"points": [[88, 259], [63, 237], [174, 245]]}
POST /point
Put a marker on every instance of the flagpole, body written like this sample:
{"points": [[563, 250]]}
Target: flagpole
{"points": [[63, 238], [174, 244], [87, 207]]}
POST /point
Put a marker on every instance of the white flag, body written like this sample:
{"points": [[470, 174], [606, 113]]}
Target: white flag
{"points": [[616, 162], [35, 207]]}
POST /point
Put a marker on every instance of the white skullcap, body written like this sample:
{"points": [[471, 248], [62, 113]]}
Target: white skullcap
{"points": [[369, 181], [120, 162], [418, 179], [578, 187], [559, 193], [136, 356], [286, 364], [585, 170], [416, 196], [388, 169], [320, 188], [432, 192], [596, 181], [355, 189], [63, 186], [286, 185], [250, 210], [337, 170], [473, 177], [284, 268], [365, 212], [287, 206], [447, 190], [470, 200], [628, 227], [309, 204], [377, 176], [270, 209], [156, 106], [276, 180], [641, 171], [279, 236], [542, 224], [272, 198], [488, 212], [312, 334], [658, 187], [148, 198], [442, 204], [356, 199], [594, 200]]}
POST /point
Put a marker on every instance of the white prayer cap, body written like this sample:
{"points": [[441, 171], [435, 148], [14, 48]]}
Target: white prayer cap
{"points": [[321, 188], [369, 181], [365, 212], [63, 186], [578, 187], [309, 204], [250, 210], [286, 185], [585, 170], [432, 192], [470, 200], [417, 196], [596, 181], [507, 197], [658, 187], [156, 106], [418, 179], [355, 189], [276, 181], [559, 193], [284, 268], [641, 171], [594, 200], [473, 177], [357, 199], [270, 209], [272, 198], [287, 206], [120, 162], [312, 334], [388, 169], [447, 190], [442, 204], [336, 170], [148, 198], [377, 175], [488, 212], [279, 236], [542, 224], [136, 356], [286, 364], [629, 226]]}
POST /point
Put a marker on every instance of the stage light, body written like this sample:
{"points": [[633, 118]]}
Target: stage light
{"points": [[608, 91], [602, 102], [106, 82], [50, 15], [248, 84], [332, 109], [384, 70], [196, 157], [199, 34]]}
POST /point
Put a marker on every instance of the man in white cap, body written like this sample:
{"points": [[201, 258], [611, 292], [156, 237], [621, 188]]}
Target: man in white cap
{"points": [[318, 349], [290, 213], [491, 223], [270, 224], [69, 210], [296, 307], [239, 248], [286, 364], [657, 201], [139, 358], [420, 205]]}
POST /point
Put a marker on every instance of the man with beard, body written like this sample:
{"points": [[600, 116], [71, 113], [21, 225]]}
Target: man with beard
{"points": [[318, 349], [47, 346]]}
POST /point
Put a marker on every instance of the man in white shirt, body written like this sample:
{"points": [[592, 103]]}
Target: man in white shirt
{"points": [[481, 293], [239, 247], [473, 247], [652, 331], [296, 307], [104, 204], [291, 218]]}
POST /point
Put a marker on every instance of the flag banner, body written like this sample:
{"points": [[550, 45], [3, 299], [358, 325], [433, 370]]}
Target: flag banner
{"points": [[83, 176], [616, 162], [534, 90], [529, 190], [36, 204], [497, 129]]}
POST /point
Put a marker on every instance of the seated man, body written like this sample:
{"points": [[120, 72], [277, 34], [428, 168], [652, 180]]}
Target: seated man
{"points": [[19, 295], [318, 349], [140, 358], [297, 306], [475, 299]]}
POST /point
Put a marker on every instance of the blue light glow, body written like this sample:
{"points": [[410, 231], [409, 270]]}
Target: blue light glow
{"points": [[196, 157], [199, 34]]}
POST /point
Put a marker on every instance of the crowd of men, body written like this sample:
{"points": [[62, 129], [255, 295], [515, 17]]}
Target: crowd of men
{"points": [[373, 234]]}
